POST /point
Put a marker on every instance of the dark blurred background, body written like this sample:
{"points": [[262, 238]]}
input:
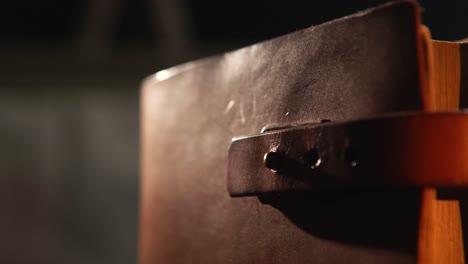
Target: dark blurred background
{"points": [[69, 105]]}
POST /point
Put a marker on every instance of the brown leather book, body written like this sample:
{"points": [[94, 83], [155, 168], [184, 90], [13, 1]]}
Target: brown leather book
{"points": [[370, 64]]}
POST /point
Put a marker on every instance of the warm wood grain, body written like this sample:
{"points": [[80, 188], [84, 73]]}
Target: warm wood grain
{"points": [[446, 77], [440, 237]]}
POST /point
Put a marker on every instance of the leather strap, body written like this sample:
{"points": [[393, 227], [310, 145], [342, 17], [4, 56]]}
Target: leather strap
{"points": [[405, 150]]}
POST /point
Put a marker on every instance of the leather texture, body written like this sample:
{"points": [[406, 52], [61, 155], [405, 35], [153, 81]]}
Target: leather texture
{"points": [[403, 150], [355, 67]]}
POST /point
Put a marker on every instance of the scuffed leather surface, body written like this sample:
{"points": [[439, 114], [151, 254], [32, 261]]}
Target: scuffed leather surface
{"points": [[355, 67]]}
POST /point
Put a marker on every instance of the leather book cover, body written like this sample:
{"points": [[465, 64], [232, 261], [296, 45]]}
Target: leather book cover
{"points": [[359, 66]]}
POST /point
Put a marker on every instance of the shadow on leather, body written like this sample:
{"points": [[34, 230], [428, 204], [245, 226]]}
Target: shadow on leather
{"points": [[378, 219]]}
